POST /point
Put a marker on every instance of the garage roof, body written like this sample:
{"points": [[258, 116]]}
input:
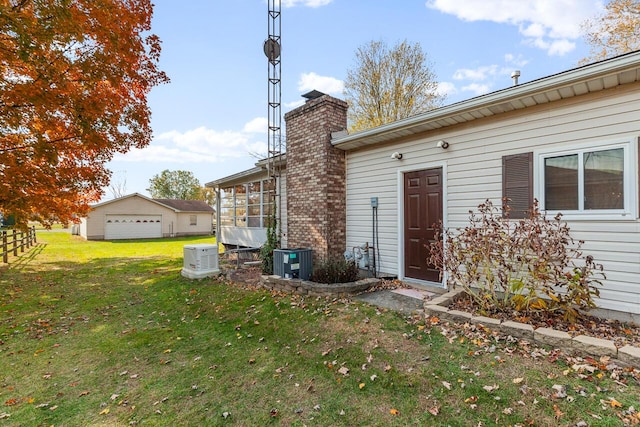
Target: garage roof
{"points": [[186, 205], [173, 204]]}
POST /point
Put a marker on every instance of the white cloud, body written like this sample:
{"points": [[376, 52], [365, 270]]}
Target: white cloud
{"points": [[257, 125], [484, 78], [294, 104], [311, 81], [308, 3], [518, 60], [478, 74], [446, 89], [555, 47], [546, 24], [201, 145], [477, 89]]}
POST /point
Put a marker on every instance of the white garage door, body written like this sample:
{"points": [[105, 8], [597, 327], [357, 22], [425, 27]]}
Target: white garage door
{"points": [[132, 227]]}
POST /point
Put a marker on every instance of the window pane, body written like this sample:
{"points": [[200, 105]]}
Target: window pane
{"points": [[561, 182], [269, 184], [254, 199], [226, 216], [254, 221], [226, 206], [604, 179], [254, 187]]}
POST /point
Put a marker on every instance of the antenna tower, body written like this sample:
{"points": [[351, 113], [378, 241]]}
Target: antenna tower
{"points": [[272, 49]]}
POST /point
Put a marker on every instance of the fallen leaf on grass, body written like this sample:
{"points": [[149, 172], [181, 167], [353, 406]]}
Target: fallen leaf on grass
{"points": [[446, 385], [84, 393], [558, 413], [4, 415], [491, 388], [434, 411], [361, 386], [612, 402], [517, 380], [11, 402], [472, 399], [394, 411], [344, 371], [105, 411], [560, 391]]}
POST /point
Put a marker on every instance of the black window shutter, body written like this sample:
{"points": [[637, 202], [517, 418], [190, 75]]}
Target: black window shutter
{"points": [[517, 184]]}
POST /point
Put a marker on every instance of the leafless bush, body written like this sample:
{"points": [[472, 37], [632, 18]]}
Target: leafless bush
{"points": [[524, 265]]}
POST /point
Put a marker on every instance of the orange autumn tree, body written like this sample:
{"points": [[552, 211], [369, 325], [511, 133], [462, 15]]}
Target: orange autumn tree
{"points": [[74, 79]]}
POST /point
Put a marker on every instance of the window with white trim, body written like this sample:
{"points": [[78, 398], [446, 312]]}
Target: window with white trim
{"points": [[588, 181], [247, 205]]}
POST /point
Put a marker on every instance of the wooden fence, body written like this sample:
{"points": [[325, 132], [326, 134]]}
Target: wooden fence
{"points": [[12, 240]]}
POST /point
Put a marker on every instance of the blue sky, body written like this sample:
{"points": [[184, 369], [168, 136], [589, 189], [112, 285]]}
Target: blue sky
{"points": [[213, 114]]}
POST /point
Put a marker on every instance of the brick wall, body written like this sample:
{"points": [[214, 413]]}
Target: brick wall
{"points": [[316, 187]]}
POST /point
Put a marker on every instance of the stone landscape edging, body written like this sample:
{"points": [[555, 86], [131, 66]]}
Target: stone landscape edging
{"points": [[598, 347]]}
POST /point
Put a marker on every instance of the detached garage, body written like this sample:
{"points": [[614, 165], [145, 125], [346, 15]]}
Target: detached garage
{"points": [[139, 217]]}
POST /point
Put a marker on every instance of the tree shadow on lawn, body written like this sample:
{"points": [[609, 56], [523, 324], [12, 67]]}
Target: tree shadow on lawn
{"points": [[24, 258]]}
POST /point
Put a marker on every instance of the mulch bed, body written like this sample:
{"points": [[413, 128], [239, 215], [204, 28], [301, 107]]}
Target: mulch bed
{"points": [[620, 333]]}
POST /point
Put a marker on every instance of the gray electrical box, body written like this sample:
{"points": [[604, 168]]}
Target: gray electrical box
{"points": [[293, 263], [374, 202]]}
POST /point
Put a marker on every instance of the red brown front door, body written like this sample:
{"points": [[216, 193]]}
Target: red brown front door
{"points": [[422, 210]]}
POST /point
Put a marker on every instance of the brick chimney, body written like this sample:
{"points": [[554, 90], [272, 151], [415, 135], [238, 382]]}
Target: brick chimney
{"points": [[316, 185]]}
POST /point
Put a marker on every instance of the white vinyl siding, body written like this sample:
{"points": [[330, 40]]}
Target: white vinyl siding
{"points": [[473, 173]]}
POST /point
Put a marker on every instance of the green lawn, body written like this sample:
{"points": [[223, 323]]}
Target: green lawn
{"points": [[110, 334]]}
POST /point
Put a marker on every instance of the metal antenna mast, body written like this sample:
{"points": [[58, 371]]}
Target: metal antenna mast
{"points": [[272, 49]]}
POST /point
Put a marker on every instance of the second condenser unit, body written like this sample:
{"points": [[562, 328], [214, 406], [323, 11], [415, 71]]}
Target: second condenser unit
{"points": [[293, 263]]}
